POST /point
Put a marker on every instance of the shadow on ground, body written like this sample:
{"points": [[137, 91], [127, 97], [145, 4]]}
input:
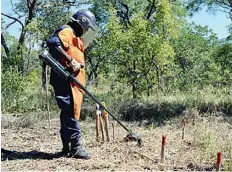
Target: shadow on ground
{"points": [[15, 155]]}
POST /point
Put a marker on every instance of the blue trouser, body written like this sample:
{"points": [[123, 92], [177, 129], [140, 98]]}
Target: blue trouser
{"points": [[70, 129]]}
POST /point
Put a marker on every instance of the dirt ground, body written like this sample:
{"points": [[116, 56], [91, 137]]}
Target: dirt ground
{"points": [[36, 147]]}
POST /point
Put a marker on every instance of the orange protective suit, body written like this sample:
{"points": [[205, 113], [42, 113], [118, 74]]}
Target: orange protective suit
{"points": [[74, 47]]}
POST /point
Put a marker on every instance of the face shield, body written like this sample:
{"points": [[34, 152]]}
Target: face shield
{"points": [[89, 35], [90, 29]]}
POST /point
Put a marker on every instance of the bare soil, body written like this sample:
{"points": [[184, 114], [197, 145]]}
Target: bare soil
{"points": [[37, 147]]}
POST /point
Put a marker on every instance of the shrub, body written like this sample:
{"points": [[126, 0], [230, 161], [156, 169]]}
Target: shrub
{"points": [[24, 93]]}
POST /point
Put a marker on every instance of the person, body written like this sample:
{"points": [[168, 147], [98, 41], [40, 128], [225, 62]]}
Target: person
{"points": [[67, 46]]}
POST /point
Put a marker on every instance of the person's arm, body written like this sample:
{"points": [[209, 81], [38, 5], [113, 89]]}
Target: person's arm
{"points": [[71, 61], [66, 37], [68, 58]]}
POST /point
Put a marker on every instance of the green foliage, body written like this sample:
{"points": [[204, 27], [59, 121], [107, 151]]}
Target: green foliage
{"points": [[12, 86], [24, 93], [142, 51], [163, 104], [14, 60], [212, 5], [137, 54], [48, 20], [222, 57], [194, 48]]}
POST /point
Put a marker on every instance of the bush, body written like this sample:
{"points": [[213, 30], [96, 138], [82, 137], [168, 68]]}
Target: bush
{"points": [[12, 87], [162, 104], [24, 93]]}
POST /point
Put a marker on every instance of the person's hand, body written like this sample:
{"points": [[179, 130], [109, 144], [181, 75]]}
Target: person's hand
{"points": [[75, 65]]}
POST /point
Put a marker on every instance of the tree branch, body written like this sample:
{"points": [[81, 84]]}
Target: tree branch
{"points": [[28, 4], [125, 15], [227, 12], [151, 9], [9, 24], [230, 2], [225, 5], [14, 9], [70, 2], [13, 18], [31, 7]]}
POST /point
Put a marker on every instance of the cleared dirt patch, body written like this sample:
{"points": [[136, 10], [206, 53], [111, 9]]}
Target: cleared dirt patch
{"points": [[36, 148]]}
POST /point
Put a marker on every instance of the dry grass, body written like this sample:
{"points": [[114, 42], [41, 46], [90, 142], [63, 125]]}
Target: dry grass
{"points": [[36, 147]]}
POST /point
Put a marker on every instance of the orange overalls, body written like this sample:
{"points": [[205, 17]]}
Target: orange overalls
{"points": [[74, 47]]}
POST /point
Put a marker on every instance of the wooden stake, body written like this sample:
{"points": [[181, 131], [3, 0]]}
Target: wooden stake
{"points": [[106, 122], [183, 129], [219, 161], [113, 127], [97, 128], [98, 113], [47, 99], [102, 128], [162, 148]]}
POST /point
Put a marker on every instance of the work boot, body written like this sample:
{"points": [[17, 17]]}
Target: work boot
{"points": [[78, 151], [65, 149]]}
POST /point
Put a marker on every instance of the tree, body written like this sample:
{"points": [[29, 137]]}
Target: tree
{"points": [[193, 50], [26, 9], [212, 5], [48, 14], [222, 57], [142, 51]]}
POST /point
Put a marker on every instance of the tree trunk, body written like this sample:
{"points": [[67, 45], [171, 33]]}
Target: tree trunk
{"points": [[93, 75], [134, 96], [95, 79], [3, 42], [148, 88], [20, 51], [31, 10], [133, 91], [151, 10], [158, 75]]}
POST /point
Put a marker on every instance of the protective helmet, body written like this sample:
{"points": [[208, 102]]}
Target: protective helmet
{"points": [[86, 19]]}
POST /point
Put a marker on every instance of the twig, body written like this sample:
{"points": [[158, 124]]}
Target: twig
{"points": [[48, 107], [154, 161], [142, 155]]}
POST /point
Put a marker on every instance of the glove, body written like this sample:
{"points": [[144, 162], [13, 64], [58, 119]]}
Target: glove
{"points": [[75, 65]]}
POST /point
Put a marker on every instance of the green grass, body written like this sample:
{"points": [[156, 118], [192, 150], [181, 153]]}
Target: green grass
{"points": [[32, 98]]}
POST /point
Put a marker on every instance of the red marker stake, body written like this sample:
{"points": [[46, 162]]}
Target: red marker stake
{"points": [[219, 161], [183, 129], [162, 148]]}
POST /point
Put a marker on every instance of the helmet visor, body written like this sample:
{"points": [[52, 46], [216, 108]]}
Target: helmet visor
{"points": [[88, 36]]}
